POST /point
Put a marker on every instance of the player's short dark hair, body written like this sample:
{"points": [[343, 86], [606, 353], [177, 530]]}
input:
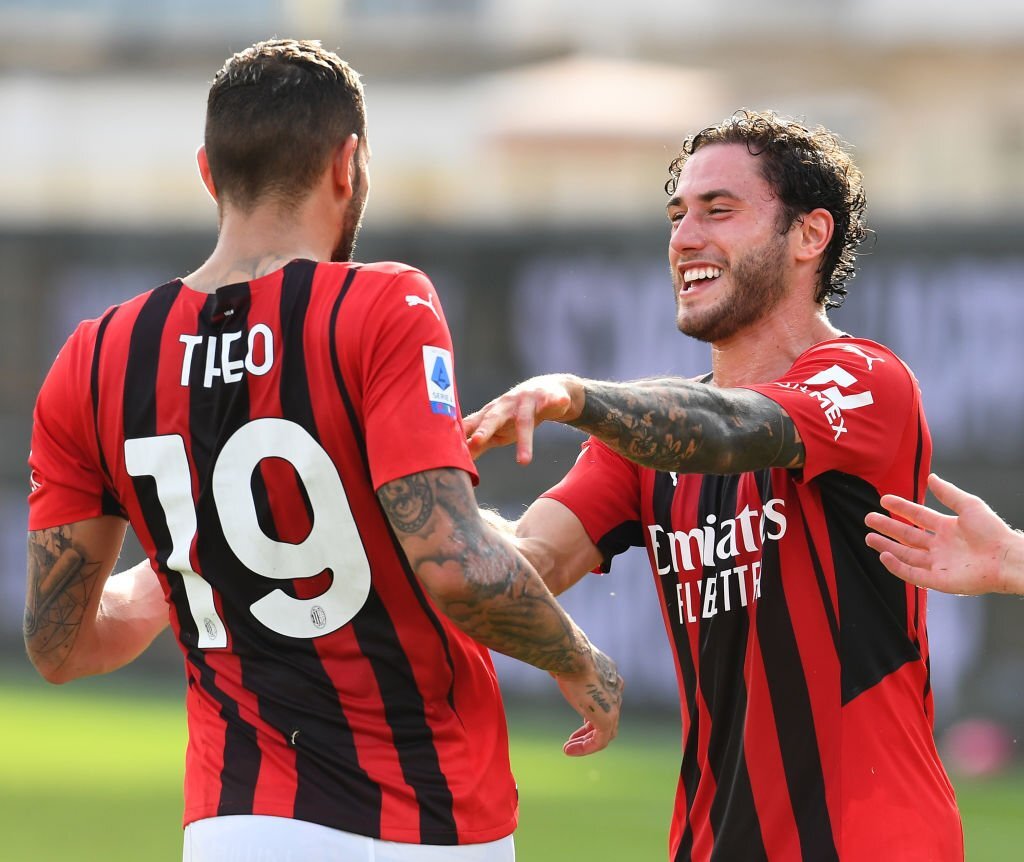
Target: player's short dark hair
{"points": [[807, 169], [274, 113]]}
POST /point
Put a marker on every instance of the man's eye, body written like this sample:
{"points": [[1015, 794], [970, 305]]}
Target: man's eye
{"points": [[718, 211]]}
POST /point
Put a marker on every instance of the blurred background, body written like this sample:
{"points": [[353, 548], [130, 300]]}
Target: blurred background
{"points": [[519, 153]]}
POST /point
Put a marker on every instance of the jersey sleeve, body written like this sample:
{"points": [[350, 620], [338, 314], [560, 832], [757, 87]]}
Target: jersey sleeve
{"points": [[602, 489], [67, 481], [411, 408], [851, 401]]}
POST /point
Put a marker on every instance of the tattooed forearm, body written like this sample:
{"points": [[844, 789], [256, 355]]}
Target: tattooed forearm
{"points": [[60, 581], [474, 576], [690, 427]]}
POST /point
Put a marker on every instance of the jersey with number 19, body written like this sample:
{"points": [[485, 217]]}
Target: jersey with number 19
{"points": [[243, 434]]}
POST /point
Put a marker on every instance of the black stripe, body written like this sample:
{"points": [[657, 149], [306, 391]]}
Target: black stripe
{"points": [[404, 709], [109, 503], [819, 577], [723, 647], [140, 420], [629, 534], [918, 455], [215, 412], [662, 497], [791, 701], [296, 696], [873, 639]]}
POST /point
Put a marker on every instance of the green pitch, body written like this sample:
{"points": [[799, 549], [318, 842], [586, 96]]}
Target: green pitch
{"points": [[91, 772]]}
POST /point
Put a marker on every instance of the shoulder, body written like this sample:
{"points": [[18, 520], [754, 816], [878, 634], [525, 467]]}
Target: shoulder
{"points": [[855, 355], [380, 272]]}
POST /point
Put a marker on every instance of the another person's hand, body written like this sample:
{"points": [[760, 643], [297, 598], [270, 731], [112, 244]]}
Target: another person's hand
{"points": [[597, 696], [511, 418], [970, 552]]}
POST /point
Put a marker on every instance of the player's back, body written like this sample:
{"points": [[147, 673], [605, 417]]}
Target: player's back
{"points": [[243, 433]]}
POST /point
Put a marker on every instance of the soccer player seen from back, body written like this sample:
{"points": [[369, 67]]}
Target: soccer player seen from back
{"points": [[802, 663], [282, 431]]}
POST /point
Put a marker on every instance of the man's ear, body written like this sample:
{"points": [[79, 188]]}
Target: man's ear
{"points": [[814, 232], [204, 172], [343, 166]]}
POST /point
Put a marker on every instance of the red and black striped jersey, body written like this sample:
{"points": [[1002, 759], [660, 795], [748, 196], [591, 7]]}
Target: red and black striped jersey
{"points": [[243, 435], [802, 664]]}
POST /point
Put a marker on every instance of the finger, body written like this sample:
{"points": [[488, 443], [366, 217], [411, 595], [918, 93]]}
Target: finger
{"points": [[487, 425], [479, 443], [471, 422], [587, 740], [914, 512], [911, 574], [948, 494], [525, 421], [914, 557], [908, 534]]}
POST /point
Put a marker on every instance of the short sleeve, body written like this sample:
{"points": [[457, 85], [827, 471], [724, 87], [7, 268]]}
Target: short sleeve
{"points": [[412, 415], [603, 490], [851, 401], [67, 482]]}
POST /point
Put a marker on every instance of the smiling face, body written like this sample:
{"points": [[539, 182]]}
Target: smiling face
{"points": [[730, 264]]}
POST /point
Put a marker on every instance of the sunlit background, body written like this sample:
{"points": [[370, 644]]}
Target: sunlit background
{"points": [[519, 153]]}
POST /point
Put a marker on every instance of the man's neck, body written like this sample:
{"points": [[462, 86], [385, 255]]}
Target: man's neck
{"points": [[765, 350], [255, 244]]}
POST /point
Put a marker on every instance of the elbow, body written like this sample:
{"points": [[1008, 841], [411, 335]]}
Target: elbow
{"points": [[55, 668], [55, 674]]}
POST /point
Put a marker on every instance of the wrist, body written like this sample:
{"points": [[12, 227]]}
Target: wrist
{"points": [[576, 387], [1011, 565]]}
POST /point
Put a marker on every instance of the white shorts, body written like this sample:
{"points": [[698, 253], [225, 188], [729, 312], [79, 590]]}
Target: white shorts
{"points": [[258, 838]]}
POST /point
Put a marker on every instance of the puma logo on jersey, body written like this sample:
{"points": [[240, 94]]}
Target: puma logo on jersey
{"points": [[867, 357], [412, 300]]}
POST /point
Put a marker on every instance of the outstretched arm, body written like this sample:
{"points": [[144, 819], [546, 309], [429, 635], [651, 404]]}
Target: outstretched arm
{"points": [[78, 620], [477, 578], [668, 424], [970, 552]]}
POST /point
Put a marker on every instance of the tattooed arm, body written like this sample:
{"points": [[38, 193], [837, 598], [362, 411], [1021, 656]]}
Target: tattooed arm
{"points": [[78, 620], [669, 424], [487, 589]]}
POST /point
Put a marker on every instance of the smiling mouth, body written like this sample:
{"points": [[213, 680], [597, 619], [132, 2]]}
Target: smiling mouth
{"points": [[700, 275]]}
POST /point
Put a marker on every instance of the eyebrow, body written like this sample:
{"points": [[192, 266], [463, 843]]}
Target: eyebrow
{"points": [[706, 197]]}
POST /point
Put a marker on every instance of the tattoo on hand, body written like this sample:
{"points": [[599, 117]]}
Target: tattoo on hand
{"points": [[690, 427], [60, 581]]}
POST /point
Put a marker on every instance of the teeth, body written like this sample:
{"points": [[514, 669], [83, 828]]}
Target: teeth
{"points": [[701, 272]]}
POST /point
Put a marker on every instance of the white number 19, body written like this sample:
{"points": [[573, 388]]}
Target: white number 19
{"points": [[333, 542]]}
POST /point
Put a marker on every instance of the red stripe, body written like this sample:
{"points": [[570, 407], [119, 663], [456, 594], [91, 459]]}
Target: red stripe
{"points": [[344, 663], [686, 507], [761, 739]]}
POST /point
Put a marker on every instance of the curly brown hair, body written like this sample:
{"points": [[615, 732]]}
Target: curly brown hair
{"points": [[274, 113], [807, 169]]}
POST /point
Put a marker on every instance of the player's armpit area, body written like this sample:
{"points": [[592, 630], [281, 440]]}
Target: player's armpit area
{"points": [[690, 427], [475, 575], [67, 567]]}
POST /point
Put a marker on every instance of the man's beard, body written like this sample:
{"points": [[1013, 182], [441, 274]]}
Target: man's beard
{"points": [[758, 283], [346, 246]]}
